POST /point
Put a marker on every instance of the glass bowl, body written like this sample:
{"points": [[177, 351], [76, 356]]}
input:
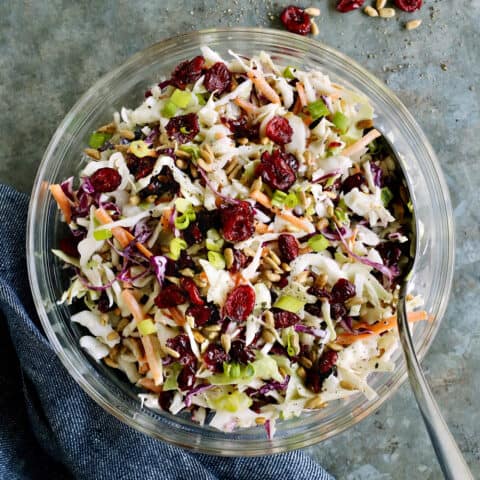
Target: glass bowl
{"points": [[125, 86]]}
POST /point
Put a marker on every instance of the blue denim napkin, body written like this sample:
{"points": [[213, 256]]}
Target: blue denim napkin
{"points": [[50, 429]]}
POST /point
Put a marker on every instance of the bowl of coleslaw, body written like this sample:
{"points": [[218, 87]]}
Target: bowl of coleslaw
{"points": [[212, 338]]}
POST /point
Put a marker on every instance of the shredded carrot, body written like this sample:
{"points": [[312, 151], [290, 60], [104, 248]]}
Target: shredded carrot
{"points": [[62, 201], [245, 105], [165, 220], [150, 342], [378, 328], [297, 108], [149, 384], [307, 120], [177, 316], [298, 222], [263, 87], [301, 94], [152, 351], [262, 199], [144, 250], [123, 236], [133, 306], [359, 144]]}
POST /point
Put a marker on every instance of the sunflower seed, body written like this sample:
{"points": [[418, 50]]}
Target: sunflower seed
{"points": [[370, 11], [386, 12], [413, 24], [93, 153]]}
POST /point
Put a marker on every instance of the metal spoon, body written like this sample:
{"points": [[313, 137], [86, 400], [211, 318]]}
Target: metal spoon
{"points": [[448, 454]]}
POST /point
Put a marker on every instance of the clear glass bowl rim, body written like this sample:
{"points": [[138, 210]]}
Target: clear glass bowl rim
{"points": [[177, 432]]}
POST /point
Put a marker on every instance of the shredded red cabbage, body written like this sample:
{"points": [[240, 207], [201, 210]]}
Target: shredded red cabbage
{"points": [[316, 332], [195, 391], [273, 385], [159, 265], [67, 187], [377, 266], [331, 174], [268, 429]]}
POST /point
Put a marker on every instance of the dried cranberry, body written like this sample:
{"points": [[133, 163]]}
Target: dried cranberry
{"points": [[186, 377], [349, 5], [240, 260], [275, 171], [69, 245], [181, 344], [160, 184], [105, 180], [237, 221], [316, 375], [208, 219], [327, 361], [343, 290], [288, 246], [165, 399], [291, 160], [183, 128], [218, 78], [314, 309], [279, 130], [390, 252], [214, 357], [140, 167], [240, 353], [170, 296], [283, 282], [284, 319], [103, 303], [355, 180], [193, 234], [189, 286], [319, 292], [296, 20], [148, 93], [239, 303], [408, 5], [185, 261], [241, 128], [187, 72], [201, 313], [338, 311]]}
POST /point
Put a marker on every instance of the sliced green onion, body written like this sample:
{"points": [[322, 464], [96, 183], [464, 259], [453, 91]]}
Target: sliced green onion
{"points": [[214, 241], [146, 327], [181, 98], [97, 139], [103, 234], [318, 109], [341, 214], [171, 374], [235, 371], [318, 243], [182, 205], [192, 150], [331, 181], [184, 130], [169, 110], [410, 206], [278, 198], [201, 99], [340, 257], [182, 221], [288, 73], [386, 195], [191, 214], [289, 303], [176, 247], [216, 259], [340, 121], [291, 201], [231, 402]]}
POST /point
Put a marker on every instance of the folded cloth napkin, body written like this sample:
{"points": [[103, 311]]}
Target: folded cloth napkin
{"points": [[49, 428]]}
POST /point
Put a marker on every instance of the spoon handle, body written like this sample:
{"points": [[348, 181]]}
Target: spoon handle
{"points": [[449, 455]]}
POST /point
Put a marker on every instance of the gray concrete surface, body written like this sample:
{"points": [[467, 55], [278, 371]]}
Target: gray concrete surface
{"points": [[52, 51]]}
